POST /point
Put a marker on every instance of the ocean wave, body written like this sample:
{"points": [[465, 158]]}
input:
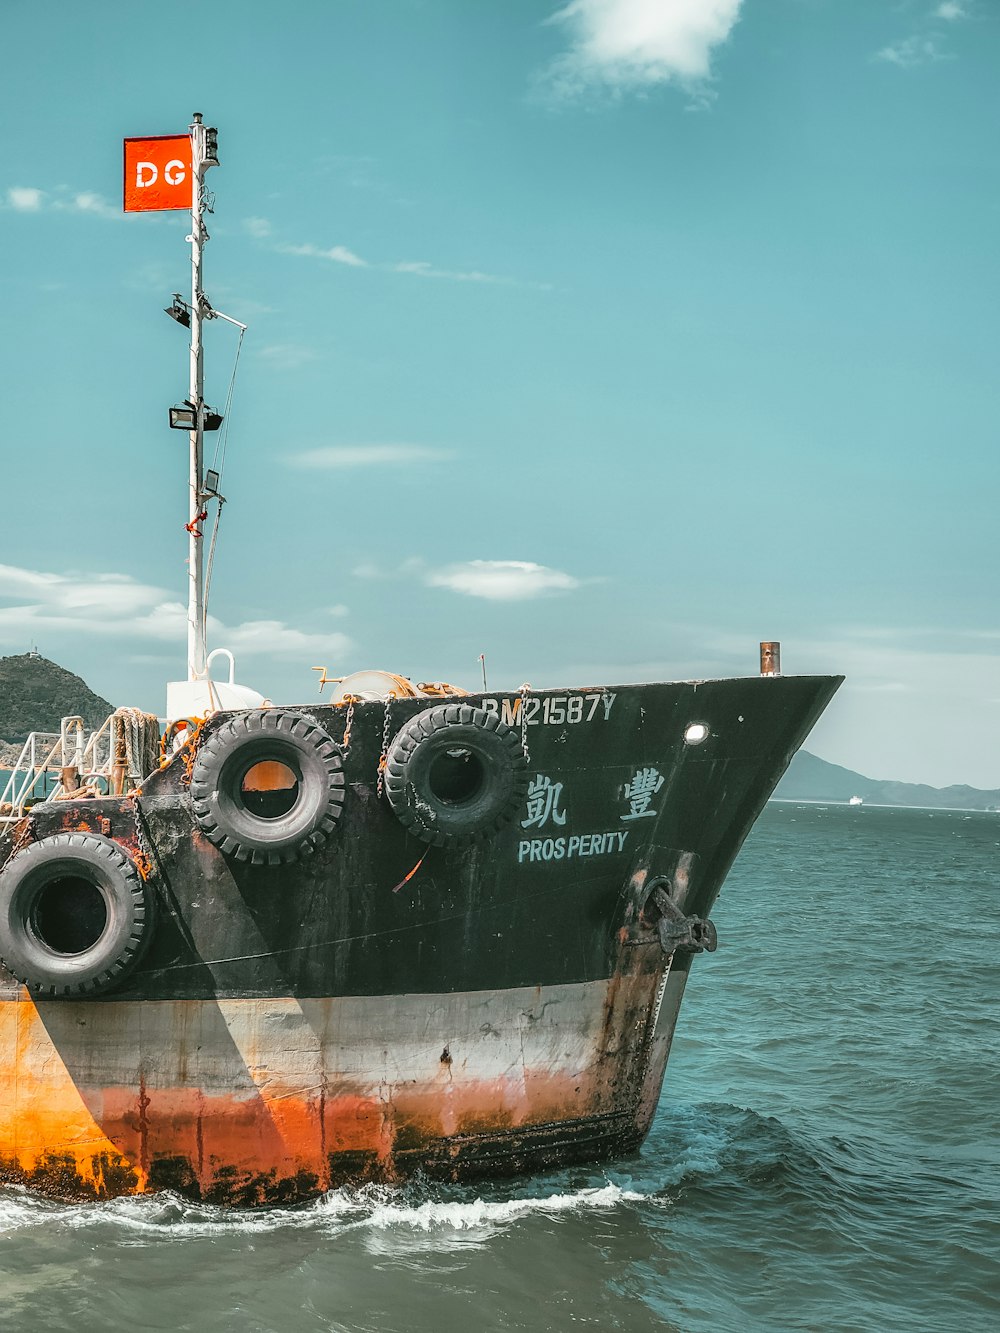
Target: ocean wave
{"points": [[413, 1208]]}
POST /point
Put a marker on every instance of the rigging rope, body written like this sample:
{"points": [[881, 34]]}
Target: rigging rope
{"points": [[208, 566], [219, 466]]}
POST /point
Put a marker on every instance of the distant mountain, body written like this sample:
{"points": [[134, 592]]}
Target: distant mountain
{"points": [[36, 694], [810, 778]]}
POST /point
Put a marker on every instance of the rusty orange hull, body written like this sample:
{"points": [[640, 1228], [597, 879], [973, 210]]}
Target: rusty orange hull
{"points": [[256, 1101]]}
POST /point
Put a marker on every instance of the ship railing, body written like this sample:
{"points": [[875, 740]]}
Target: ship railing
{"points": [[98, 753], [110, 758], [30, 776]]}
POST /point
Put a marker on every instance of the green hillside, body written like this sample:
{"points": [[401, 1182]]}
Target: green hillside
{"points": [[36, 694]]}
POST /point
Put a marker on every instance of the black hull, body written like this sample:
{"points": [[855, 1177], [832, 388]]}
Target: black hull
{"points": [[383, 1004]]}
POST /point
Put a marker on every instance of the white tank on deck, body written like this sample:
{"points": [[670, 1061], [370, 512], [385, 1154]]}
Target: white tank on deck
{"points": [[197, 698]]}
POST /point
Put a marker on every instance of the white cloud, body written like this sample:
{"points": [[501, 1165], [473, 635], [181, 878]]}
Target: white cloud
{"points": [[274, 637], [417, 268], [259, 227], [502, 580], [338, 254], [635, 44], [910, 51], [104, 596], [35, 604], [287, 356], [924, 46], [88, 202], [25, 199], [368, 455], [421, 269], [29, 199]]}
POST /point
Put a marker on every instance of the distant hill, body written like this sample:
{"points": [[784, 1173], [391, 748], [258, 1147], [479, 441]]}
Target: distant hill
{"points": [[36, 694], [810, 778]]}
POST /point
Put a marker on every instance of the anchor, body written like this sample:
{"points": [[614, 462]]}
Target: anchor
{"points": [[680, 933]]}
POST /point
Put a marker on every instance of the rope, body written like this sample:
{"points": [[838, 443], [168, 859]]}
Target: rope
{"points": [[140, 734], [406, 878], [219, 465], [208, 567]]}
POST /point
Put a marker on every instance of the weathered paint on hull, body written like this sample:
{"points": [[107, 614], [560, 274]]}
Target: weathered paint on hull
{"points": [[253, 1101], [380, 1006]]}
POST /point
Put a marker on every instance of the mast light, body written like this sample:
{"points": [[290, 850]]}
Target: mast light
{"points": [[185, 417], [179, 310]]}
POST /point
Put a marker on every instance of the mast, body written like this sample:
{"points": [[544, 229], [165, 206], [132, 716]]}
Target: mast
{"points": [[203, 156]]}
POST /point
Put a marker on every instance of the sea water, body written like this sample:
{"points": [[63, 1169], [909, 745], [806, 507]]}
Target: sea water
{"points": [[825, 1155]]}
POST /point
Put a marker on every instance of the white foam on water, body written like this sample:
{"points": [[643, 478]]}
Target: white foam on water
{"points": [[379, 1208], [18, 1209], [480, 1213]]}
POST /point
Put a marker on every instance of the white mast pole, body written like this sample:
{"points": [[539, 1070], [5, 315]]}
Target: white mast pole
{"points": [[196, 585]]}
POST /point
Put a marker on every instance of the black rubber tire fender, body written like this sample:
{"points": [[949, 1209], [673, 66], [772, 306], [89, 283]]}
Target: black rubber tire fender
{"points": [[225, 757], [459, 734], [128, 902]]}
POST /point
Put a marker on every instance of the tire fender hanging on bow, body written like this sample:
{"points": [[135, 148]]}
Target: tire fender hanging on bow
{"points": [[455, 774], [75, 915], [268, 786]]}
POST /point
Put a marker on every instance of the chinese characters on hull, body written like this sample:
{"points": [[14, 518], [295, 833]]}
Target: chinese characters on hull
{"points": [[544, 803], [639, 793]]}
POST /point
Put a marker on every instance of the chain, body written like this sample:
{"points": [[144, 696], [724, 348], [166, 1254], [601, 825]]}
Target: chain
{"points": [[379, 786], [524, 722], [190, 748], [346, 742], [26, 835], [143, 851]]}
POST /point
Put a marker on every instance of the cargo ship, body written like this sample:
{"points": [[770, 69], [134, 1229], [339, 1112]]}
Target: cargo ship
{"points": [[278, 949]]}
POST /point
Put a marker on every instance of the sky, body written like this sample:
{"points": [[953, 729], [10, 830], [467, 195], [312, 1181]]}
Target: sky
{"points": [[605, 339]]}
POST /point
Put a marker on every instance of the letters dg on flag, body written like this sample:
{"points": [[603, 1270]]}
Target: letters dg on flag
{"points": [[157, 173]]}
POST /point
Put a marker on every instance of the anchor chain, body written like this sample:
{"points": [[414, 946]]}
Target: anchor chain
{"points": [[144, 857], [350, 700], [380, 784]]}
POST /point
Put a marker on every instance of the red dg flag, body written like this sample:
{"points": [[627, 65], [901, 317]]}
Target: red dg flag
{"points": [[157, 173]]}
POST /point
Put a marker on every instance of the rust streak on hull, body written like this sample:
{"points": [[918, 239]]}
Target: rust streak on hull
{"points": [[262, 1101]]}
